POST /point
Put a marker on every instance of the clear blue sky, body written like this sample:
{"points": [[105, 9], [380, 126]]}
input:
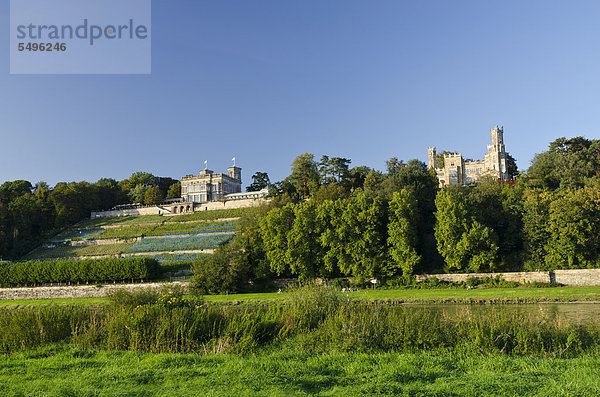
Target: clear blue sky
{"points": [[267, 80]]}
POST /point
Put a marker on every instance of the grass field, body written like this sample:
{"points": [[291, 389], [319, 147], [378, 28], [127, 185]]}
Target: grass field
{"points": [[61, 371], [70, 251], [489, 295], [433, 296]]}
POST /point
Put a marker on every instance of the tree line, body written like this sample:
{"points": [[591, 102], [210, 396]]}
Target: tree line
{"points": [[30, 213], [329, 220]]}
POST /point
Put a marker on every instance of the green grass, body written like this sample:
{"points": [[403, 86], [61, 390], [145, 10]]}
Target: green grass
{"points": [[15, 304], [490, 295], [74, 251], [60, 371]]}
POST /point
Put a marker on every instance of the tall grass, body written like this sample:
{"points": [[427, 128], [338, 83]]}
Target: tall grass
{"points": [[314, 319]]}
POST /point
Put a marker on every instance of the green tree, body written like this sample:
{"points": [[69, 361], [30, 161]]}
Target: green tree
{"points": [[403, 232], [137, 195], [362, 233], [568, 163], [465, 244], [511, 166], [274, 229], [305, 175], [574, 230], [260, 180], [394, 166], [304, 251], [153, 196], [330, 192], [174, 191], [335, 170], [536, 214], [225, 271]]}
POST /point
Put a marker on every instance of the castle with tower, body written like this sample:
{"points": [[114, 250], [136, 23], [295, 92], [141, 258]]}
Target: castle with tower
{"points": [[454, 169]]}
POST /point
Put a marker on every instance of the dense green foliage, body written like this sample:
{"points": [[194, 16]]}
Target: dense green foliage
{"points": [[328, 220], [77, 271]]}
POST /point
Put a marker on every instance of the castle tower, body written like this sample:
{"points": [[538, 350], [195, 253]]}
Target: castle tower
{"points": [[431, 153], [235, 173], [497, 138], [495, 159]]}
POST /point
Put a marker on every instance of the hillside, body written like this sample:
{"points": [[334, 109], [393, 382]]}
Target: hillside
{"points": [[169, 238]]}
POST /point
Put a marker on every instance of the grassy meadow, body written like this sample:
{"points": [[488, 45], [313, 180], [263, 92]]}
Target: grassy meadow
{"points": [[66, 371]]}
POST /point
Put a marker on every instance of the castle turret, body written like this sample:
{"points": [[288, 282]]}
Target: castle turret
{"points": [[235, 173], [431, 154], [495, 159]]}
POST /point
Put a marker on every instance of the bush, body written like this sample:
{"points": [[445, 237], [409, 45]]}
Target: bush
{"points": [[225, 271]]}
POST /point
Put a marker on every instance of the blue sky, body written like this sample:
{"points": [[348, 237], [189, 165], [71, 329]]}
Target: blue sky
{"points": [[267, 80]]}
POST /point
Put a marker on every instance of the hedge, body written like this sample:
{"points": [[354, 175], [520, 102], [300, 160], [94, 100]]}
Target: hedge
{"points": [[77, 271]]}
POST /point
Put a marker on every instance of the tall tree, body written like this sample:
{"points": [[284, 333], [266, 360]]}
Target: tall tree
{"points": [[153, 196], [260, 180], [274, 229], [305, 175], [403, 232], [174, 190], [465, 244]]}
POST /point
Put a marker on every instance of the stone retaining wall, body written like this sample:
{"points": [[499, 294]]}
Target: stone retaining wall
{"points": [[579, 277], [582, 277], [107, 241], [76, 291]]}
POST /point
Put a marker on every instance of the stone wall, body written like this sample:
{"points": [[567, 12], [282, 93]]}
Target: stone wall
{"points": [[75, 291], [151, 210], [582, 277], [107, 241], [221, 205], [579, 277], [167, 209]]}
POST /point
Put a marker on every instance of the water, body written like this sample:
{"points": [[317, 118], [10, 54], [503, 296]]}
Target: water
{"points": [[561, 313]]}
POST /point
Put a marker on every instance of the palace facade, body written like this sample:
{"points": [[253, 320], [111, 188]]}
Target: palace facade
{"points": [[211, 186]]}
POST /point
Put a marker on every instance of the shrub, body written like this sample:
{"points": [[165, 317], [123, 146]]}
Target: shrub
{"points": [[77, 271]]}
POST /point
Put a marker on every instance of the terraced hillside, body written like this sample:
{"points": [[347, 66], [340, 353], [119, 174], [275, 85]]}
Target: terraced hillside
{"points": [[155, 235]]}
